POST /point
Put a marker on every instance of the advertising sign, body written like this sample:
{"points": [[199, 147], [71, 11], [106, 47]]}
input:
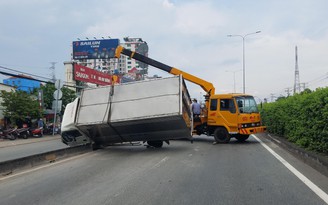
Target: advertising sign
{"points": [[85, 74], [95, 49]]}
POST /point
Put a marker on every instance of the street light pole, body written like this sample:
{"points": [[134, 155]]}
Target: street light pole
{"points": [[234, 79], [243, 37]]}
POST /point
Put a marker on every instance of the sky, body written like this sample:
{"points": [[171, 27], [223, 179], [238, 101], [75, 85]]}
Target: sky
{"points": [[191, 35]]}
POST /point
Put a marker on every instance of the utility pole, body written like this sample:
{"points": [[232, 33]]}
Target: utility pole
{"points": [[234, 79], [303, 86], [288, 91], [272, 97]]}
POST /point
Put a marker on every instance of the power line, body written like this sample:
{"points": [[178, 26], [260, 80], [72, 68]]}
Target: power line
{"points": [[42, 81], [24, 77], [15, 65], [24, 73], [318, 80]]}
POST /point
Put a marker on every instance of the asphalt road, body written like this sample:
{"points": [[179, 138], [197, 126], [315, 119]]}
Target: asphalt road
{"points": [[180, 173], [26, 147]]}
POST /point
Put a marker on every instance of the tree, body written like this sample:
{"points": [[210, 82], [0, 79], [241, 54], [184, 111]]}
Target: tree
{"points": [[306, 91], [19, 105], [281, 98], [68, 96], [48, 91]]}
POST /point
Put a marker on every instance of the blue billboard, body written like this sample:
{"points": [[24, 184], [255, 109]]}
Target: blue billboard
{"points": [[95, 49]]}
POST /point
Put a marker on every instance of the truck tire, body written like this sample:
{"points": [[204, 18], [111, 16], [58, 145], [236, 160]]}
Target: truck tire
{"points": [[241, 138], [95, 146], [221, 135], [156, 144], [201, 129]]}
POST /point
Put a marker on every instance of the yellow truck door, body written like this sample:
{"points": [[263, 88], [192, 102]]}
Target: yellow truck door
{"points": [[223, 112]]}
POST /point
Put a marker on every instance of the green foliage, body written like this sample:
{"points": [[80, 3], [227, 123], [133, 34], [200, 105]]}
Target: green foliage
{"points": [[48, 95], [19, 105], [68, 96], [48, 91], [302, 119]]}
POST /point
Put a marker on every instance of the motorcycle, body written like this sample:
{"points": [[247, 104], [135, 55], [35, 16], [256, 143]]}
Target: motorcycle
{"points": [[49, 129], [8, 133], [36, 132], [22, 132]]}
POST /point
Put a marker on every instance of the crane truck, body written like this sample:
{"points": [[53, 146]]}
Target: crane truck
{"points": [[225, 116]]}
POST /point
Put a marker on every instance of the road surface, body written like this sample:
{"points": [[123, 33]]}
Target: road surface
{"points": [[26, 147], [180, 173]]}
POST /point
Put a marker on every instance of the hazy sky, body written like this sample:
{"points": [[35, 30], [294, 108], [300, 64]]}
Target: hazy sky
{"points": [[188, 34]]}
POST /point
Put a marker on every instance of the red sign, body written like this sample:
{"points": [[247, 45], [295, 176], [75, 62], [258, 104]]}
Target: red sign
{"points": [[85, 74]]}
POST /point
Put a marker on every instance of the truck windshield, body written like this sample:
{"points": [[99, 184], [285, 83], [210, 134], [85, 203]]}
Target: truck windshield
{"points": [[246, 104]]}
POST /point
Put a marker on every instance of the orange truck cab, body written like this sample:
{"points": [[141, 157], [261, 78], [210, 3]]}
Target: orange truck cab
{"points": [[229, 115]]}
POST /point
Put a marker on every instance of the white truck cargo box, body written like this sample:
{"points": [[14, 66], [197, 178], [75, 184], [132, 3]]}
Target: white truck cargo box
{"points": [[150, 110]]}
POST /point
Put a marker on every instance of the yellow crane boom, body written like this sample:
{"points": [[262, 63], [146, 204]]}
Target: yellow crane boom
{"points": [[207, 86]]}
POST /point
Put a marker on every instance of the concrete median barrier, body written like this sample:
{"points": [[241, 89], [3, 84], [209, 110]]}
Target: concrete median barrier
{"points": [[13, 166]]}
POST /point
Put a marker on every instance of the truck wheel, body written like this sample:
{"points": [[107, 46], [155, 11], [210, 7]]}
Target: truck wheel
{"points": [[156, 144], [199, 129], [95, 146], [241, 138], [221, 135]]}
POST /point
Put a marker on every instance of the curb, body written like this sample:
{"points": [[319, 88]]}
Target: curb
{"points": [[9, 143], [316, 161], [13, 166]]}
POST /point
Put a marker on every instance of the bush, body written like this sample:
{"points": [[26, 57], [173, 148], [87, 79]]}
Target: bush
{"points": [[302, 119]]}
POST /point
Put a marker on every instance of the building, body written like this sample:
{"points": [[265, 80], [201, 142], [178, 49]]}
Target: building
{"points": [[122, 65], [23, 83], [125, 69], [138, 45]]}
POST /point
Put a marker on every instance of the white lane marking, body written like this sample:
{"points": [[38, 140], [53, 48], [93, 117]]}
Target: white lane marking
{"points": [[299, 175], [42, 167], [158, 164], [274, 139]]}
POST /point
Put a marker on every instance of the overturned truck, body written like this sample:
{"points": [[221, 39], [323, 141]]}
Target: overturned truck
{"points": [[152, 111]]}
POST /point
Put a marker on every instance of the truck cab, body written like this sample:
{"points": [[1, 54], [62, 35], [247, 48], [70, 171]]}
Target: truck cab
{"points": [[230, 115]]}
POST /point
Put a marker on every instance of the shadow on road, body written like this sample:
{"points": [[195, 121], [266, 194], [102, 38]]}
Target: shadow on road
{"points": [[143, 148], [177, 146], [233, 141]]}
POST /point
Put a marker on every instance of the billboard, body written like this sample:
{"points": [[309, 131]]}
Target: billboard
{"points": [[94, 49], [89, 75]]}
